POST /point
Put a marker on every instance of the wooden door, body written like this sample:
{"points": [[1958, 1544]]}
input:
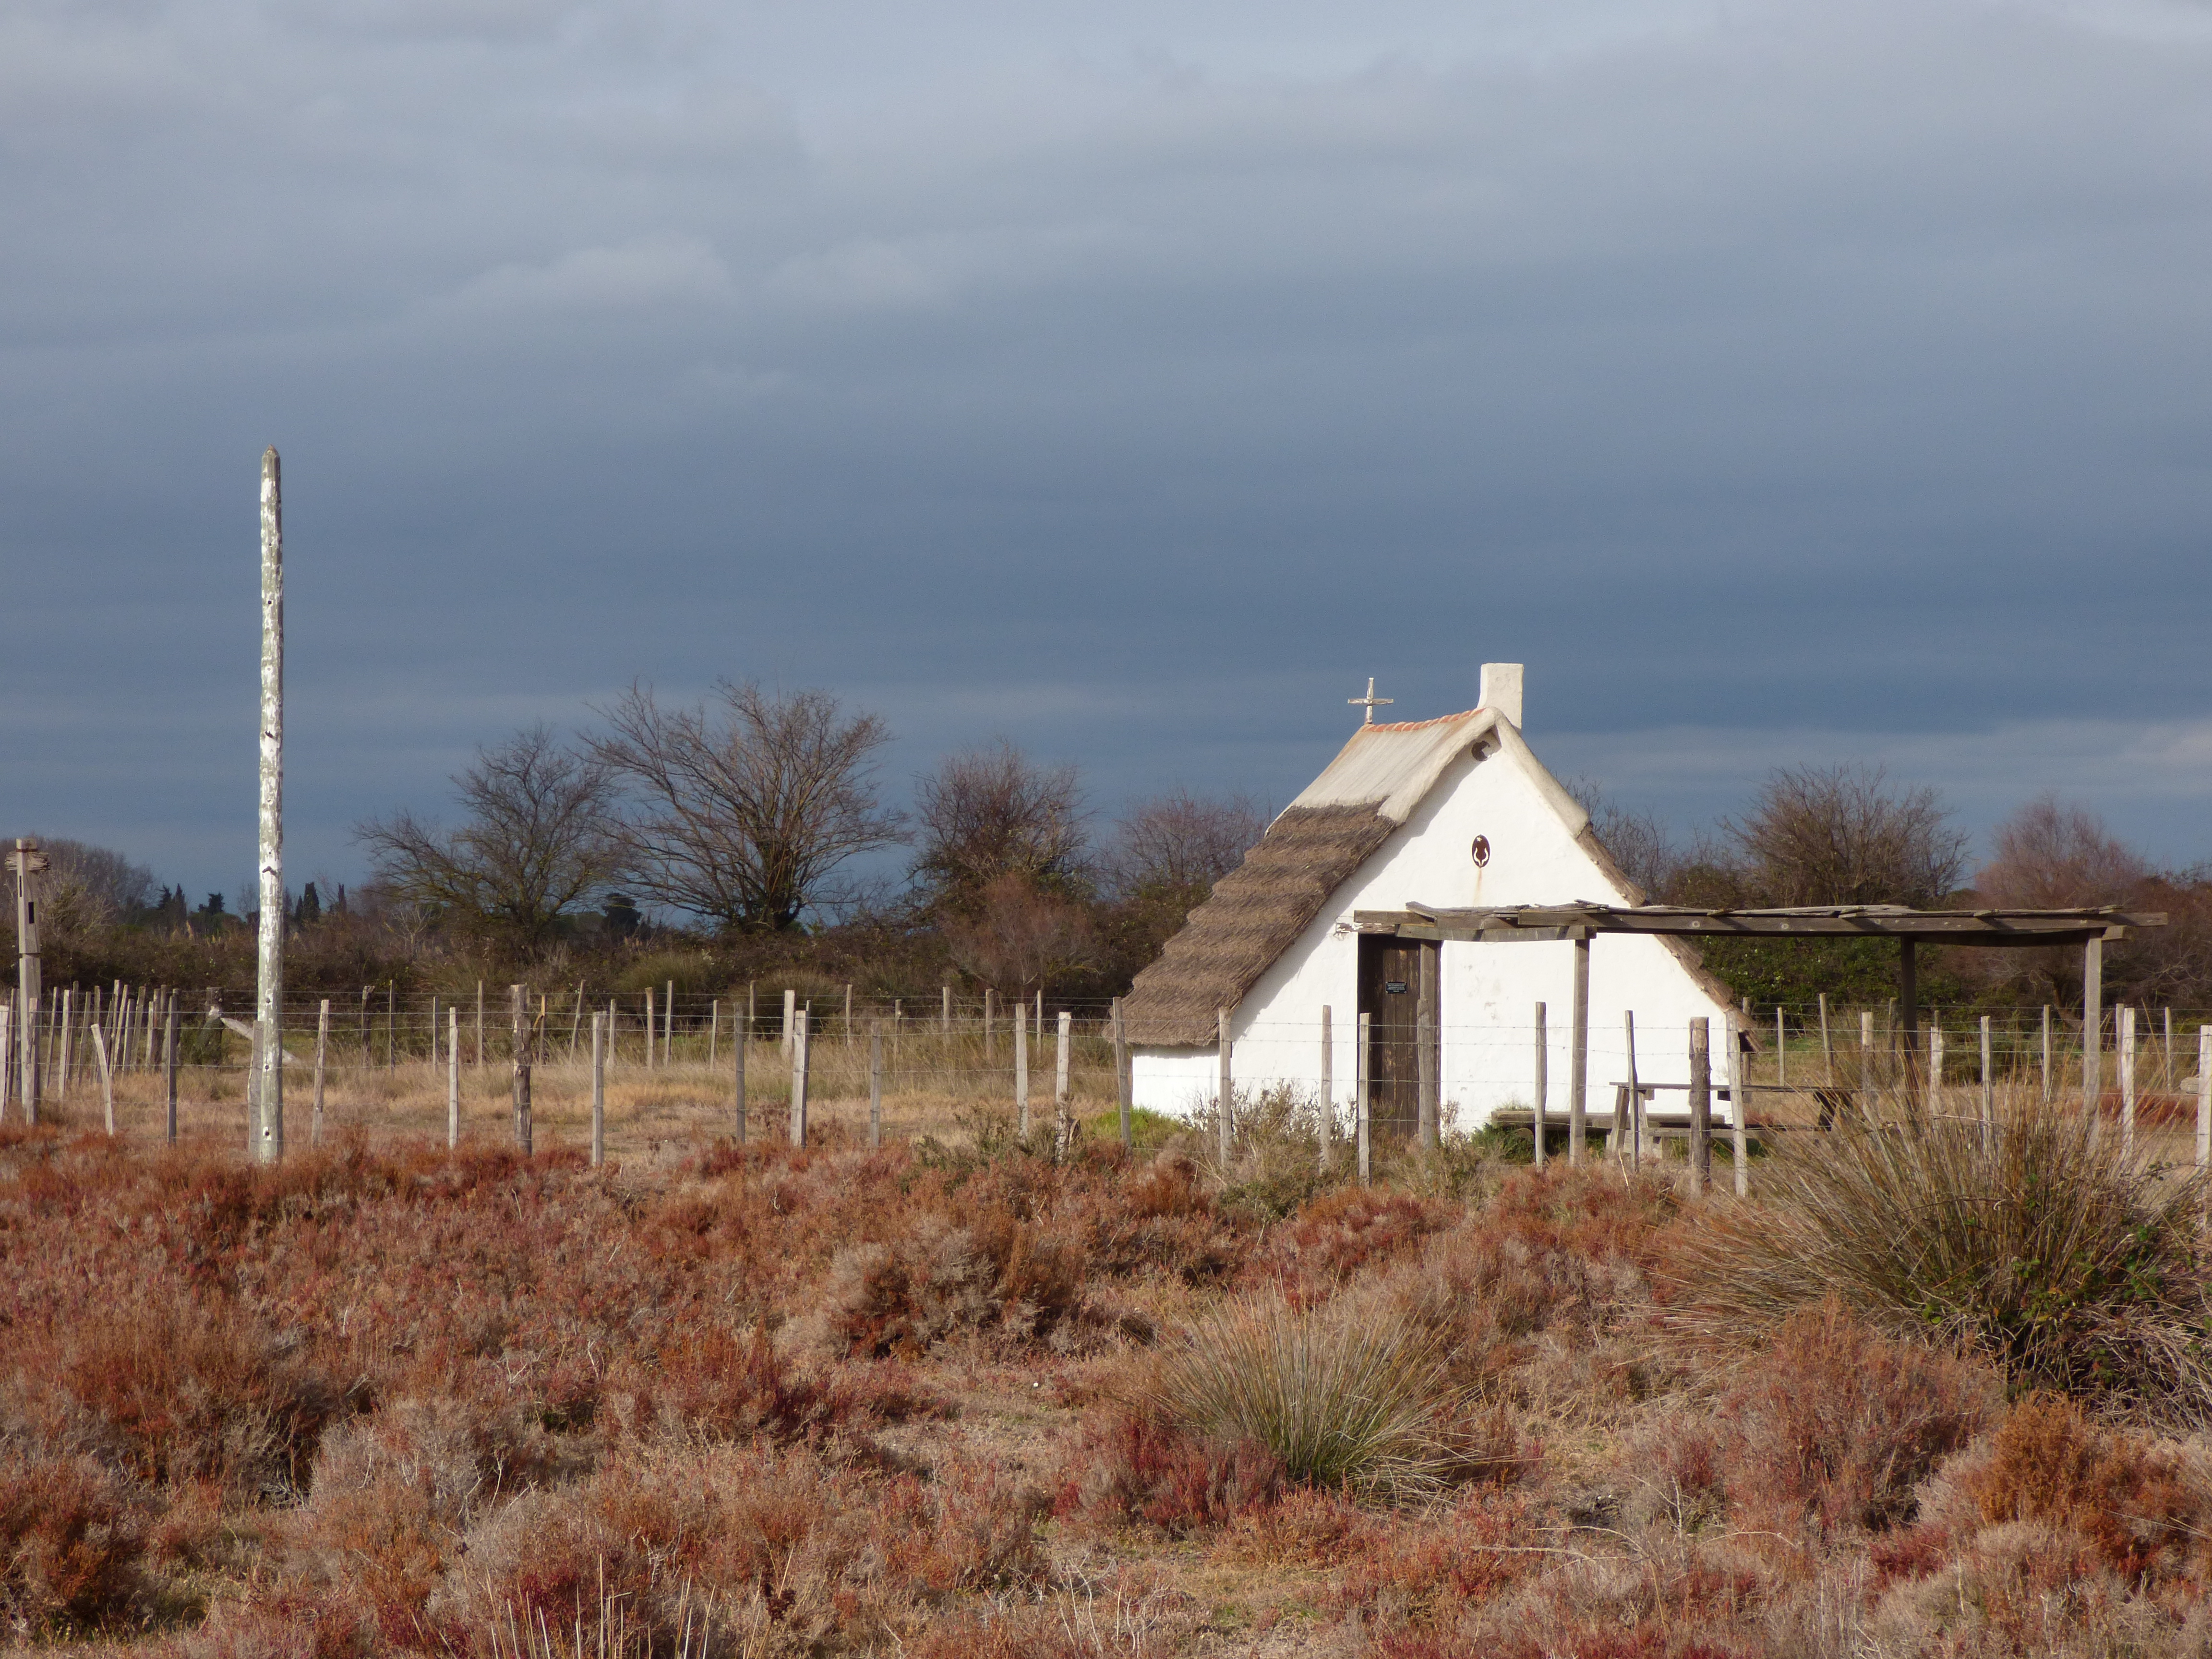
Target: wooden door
{"points": [[1391, 994]]}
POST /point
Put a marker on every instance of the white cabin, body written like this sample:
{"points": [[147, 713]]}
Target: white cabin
{"points": [[1445, 812]]}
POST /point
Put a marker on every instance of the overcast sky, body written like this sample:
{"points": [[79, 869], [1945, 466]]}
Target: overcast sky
{"points": [[1780, 383]]}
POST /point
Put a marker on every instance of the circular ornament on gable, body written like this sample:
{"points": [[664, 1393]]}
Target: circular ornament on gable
{"points": [[1481, 851]]}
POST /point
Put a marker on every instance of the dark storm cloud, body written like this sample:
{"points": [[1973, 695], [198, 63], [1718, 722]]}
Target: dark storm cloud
{"points": [[1780, 382]]}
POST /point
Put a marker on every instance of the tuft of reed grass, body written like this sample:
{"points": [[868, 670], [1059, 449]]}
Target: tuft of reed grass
{"points": [[1350, 1396], [2035, 1239]]}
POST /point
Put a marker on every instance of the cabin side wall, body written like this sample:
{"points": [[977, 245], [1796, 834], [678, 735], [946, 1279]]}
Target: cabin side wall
{"points": [[1487, 993]]}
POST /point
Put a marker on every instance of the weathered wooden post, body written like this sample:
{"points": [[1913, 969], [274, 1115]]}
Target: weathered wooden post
{"points": [[848, 1014], [737, 1080], [169, 1078], [790, 1019], [1122, 1079], [2049, 1084], [1701, 1105], [1989, 1087], [713, 1033], [1021, 1070], [1578, 1056], [2093, 1027], [599, 1090], [452, 1078], [65, 1056], [322, 1060], [650, 1029], [576, 1023], [1063, 1120], [1228, 1084], [2125, 1017], [2205, 1101], [1327, 1125], [990, 1020], [668, 1029], [480, 1023], [1542, 1087], [1781, 1050], [27, 862], [798, 1077], [392, 1025], [106, 1077], [1634, 1149], [1930, 1101], [268, 998], [944, 1017], [1739, 1111], [875, 1083], [1428, 1091], [518, 1004], [1363, 1072]]}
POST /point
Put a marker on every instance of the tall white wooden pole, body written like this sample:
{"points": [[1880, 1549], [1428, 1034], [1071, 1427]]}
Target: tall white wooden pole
{"points": [[26, 861], [269, 1007]]}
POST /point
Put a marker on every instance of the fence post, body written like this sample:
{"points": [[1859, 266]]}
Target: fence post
{"points": [[1227, 1082], [790, 1019], [668, 1029], [990, 1012], [651, 1035], [452, 1078], [479, 1024], [2093, 1026], [848, 1015], [1362, 1063], [518, 1008], [714, 1033], [1931, 1098], [1063, 1120], [1988, 1088], [875, 1080], [599, 1090], [322, 1057], [1542, 1086], [1578, 1057], [1428, 1086], [2046, 1055], [1021, 1071], [1701, 1105], [169, 1077], [1827, 1051], [1781, 1050], [106, 1077], [1123, 1080], [1739, 1112], [2124, 1017], [738, 1080], [1635, 1125], [2203, 1098], [391, 1024], [799, 1044], [944, 1015]]}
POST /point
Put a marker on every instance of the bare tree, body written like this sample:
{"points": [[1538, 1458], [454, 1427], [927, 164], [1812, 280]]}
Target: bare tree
{"points": [[1635, 838], [85, 888], [1014, 936], [1182, 843], [2051, 856], [535, 843], [992, 812], [745, 808], [1842, 836]]}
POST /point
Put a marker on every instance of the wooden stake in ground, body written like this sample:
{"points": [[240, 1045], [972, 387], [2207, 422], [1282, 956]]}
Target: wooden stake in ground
{"points": [[944, 1015], [7, 1055], [790, 1019], [1578, 1058], [322, 1059], [799, 1078], [1021, 1074], [990, 1012], [2125, 1016], [1739, 1113], [1122, 1067], [1827, 1051], [1989, 1087], [713, 1033], [26, 862], [1542, 1087], [2048, 1074], [2165, 1072], [648, 1029], [668, 1028], [2093, 1028], [392, 1025], [479, 1025], [1227, 1094], [1935, 1068], [1063, 1122], [1701, 1105], [64, 1062], [875, 1083], [2204, 1099], [453, 1078], [106, 1077], [518, 1002], [1635, 1102], [599, 1090], [576, 1023], [269, 993], [1362, 1070], [169, 1079], [848, 1015], [737, 1081], [434, 1039]]}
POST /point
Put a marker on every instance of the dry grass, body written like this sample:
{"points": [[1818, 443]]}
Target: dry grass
{"points": [[961, 1399]]}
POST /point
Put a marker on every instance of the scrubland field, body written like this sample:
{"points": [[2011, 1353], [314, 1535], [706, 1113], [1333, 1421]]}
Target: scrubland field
{"points": [[1932, 1391]]}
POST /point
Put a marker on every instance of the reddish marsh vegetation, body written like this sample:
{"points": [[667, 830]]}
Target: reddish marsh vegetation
{"points": [[843, 1401]]}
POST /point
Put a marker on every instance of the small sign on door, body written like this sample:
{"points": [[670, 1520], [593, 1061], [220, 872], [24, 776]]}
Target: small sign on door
{"points": [[1396, 987]]}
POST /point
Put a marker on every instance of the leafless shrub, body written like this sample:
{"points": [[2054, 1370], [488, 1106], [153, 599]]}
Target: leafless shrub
{"points": [[749, 810], [1013, 936], [990, 813], [1181, 844], [1841, 835], [537, 841]]}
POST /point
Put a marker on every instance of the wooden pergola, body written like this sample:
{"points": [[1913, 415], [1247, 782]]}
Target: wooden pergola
{"points": [[1581, 923]]}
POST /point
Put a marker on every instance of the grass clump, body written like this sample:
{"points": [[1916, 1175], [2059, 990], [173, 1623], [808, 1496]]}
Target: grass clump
{"points": [[2034, 1240], [1350, 1397]]}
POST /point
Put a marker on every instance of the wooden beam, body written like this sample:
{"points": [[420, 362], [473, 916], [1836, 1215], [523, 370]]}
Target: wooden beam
{"points": [[1534, 923]]}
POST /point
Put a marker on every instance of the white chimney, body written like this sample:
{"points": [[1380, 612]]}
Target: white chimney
{"points": [[1501, 690]]}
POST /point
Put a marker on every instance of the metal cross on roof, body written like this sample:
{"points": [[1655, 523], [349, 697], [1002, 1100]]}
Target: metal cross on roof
{"points": [[1369, 702]]}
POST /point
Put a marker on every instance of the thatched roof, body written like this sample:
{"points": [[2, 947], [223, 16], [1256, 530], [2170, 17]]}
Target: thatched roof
{"points": [[1254, 914]]}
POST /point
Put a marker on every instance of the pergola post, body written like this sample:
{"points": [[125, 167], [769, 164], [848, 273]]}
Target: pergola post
{"points": [[1579, 1054], [2092, 1024]]}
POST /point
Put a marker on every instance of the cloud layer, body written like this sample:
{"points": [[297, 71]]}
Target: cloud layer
{"points": [[1780, 381]]}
